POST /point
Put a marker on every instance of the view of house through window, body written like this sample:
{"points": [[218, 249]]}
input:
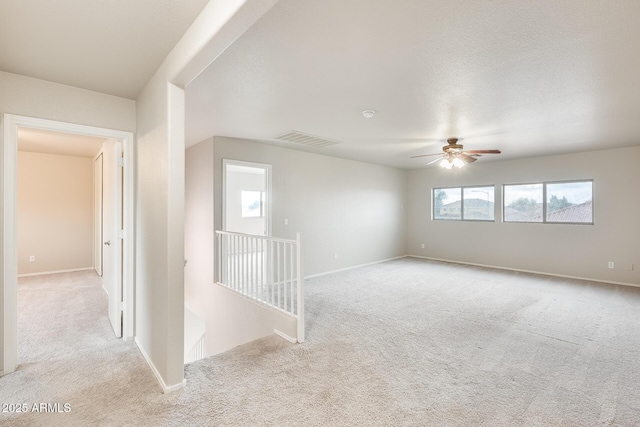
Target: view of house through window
{"points": [[464, 203], [554, 202], [523, 203], [570, 202]]}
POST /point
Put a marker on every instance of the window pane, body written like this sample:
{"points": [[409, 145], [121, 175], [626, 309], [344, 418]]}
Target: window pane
{"points": [[251, 204], [523, 203], [570, 202], [446, 203], [479, 203]]}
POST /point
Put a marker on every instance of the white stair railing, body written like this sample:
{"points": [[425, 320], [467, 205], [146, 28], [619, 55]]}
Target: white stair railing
{"points": [[265, 269], [197, 351], [194, 337]]}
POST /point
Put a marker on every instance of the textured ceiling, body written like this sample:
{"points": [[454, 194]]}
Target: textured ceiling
{"points": [[108, 46], [529, 78]]}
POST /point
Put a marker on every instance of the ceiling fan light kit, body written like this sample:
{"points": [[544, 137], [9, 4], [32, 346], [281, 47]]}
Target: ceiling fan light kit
{"points": [[453, 155], [448, 163]]}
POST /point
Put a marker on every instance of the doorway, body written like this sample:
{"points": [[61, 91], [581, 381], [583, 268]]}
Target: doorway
{"points": [[124, 236], [246, 197]]}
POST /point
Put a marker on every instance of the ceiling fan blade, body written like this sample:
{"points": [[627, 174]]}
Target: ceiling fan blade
{"points": [[433, 161], [482, 151], [425, 155], [465, 158]]}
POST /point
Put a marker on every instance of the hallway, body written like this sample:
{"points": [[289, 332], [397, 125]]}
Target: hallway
{"points": [[69, 354]]}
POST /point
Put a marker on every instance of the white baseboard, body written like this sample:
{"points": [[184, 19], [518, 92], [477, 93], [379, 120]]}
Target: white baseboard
{"points": [[285, 336], [526, 271], [165, 389], [311, 276], [55, 272]]}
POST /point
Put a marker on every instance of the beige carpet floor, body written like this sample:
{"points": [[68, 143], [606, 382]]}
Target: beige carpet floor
{"points": [[408, 343]]}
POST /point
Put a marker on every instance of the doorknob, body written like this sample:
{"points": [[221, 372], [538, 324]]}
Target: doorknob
{"points": [[107, 243]]}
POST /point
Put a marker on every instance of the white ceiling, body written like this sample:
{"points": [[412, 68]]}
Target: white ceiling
{"points": [[530, 78], [108, 46], [41, 141]]}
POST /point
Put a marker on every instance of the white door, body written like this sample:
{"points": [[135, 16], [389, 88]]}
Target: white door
{"points": [[112, 224]]}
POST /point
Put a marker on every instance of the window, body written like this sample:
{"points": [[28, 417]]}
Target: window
{"points": [[479, 203], [570, 202], [523, 203], [447, 203], [252, 204], [552, 202], [464, 203]]}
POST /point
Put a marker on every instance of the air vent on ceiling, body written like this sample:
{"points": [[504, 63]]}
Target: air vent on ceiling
{"points": [[305, 139]]}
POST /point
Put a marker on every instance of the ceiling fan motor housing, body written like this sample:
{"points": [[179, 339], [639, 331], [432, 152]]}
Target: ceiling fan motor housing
{"points": [[452, 148]]}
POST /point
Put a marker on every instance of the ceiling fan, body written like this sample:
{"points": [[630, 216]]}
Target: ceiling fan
{"points": [[454, 155]]}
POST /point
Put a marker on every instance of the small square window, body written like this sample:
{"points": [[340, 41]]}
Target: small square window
{"points": [[523, 202], [447, 203], [570, 202], [479, 203]]}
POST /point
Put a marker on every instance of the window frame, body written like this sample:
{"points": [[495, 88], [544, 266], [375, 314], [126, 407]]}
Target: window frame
{"points": [[544, 202], [462, 188]]}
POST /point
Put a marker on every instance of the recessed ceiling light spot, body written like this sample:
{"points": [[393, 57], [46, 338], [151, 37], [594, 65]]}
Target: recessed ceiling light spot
{"points": [[368, 113]]}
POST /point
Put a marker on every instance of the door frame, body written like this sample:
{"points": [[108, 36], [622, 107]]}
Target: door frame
{"points": [[98, 228], [9, 246], [267, 168]]}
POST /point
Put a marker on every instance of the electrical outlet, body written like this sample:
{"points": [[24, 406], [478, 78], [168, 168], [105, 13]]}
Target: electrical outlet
{"points": [[286, 221], [422, 245], [611, 264], [335, 256], [32, 258], [631, 267]]}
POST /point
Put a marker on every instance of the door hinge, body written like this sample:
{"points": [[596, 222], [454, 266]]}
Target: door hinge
{"points": [[121, 234], [121, 162], [121, 306]]}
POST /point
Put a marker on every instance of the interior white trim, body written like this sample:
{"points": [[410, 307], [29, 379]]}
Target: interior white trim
{"points": [[9, 246], [526, 271], [72, 270], [353, 266], [285, 336], [165, 388]]}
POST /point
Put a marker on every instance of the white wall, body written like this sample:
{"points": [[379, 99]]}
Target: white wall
{"points": [[159, 239], [160, 116], [354, 209], [38, 98], [230, 319], [55, 212], [562, 249]]}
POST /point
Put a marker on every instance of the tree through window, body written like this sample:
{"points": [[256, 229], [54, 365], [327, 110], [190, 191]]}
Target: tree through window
{"points": [[553, 202]]}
